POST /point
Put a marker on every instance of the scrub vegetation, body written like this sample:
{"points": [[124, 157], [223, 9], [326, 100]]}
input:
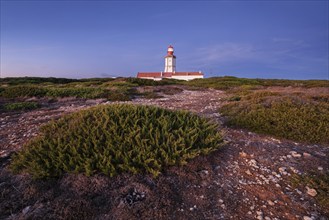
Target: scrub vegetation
{"points": [[123, 89], [17, 106], [119, 89], [296, 117], [230, 82], [112, 139], [320, 182]]}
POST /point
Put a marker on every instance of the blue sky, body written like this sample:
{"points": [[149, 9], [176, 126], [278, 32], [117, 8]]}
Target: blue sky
{"points": [[79, 39]]}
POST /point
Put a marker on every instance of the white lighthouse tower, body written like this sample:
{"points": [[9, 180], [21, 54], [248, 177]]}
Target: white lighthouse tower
{"points": [[170, 61]]}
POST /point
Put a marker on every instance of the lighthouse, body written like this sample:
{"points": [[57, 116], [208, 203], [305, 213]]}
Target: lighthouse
{"points": [[170, 70], [170, 61]]}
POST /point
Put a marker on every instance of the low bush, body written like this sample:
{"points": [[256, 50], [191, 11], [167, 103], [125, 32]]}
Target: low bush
{"points": [[318, 181], [55, 92], [20, 106], [229, 82], [76, 92], [150, 95], [234, 98], [118, 96], [112, 139], [149, 82], [35, 80], [290, 117], [23, 91]]}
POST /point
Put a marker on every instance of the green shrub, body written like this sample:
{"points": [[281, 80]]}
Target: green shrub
{"points": [[293, 118], [117, 96], [321, 98], [320, 182], [223, 83], [35, 80], [150, 82], [23, 91], [150, 95], [234, 98], [76, 92], [229, 82], [21, 106], [112, 139]]}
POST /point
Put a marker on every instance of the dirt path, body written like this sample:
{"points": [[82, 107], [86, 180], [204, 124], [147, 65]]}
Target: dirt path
{"points": [[250, 178]]}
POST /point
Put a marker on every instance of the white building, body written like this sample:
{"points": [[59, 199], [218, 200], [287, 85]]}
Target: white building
{"points": [[170, 70]]}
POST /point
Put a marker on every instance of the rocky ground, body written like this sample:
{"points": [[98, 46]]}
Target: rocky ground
{"points": [[249, 178]]}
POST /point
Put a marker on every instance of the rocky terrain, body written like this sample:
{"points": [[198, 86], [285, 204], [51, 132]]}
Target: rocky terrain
{"points": [[249, 178]]}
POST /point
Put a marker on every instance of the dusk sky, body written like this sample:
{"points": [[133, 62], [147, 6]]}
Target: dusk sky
{"points": [[80, 39]]}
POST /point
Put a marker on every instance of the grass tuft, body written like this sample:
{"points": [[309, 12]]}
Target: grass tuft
{"points": [[112, 139], [292, 117], [17, 106], [320, 182]]}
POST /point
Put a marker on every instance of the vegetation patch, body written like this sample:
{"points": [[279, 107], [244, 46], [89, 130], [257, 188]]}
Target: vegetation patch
{"points": [[112, 139], [292, 117], [150, 95], [60, 92], [320, 182], [23, 91], [234, 98], [17, 106], [230, 82]]}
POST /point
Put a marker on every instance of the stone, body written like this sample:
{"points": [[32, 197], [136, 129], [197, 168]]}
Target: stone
{"points": [[248, 172], [270, 203], [242, 154], [253, 163], [204, 173], [259, 215], [311, 192], [282, 169], [307, 155], [295, 154], [299, 192], [307, 218], [26, 210]]}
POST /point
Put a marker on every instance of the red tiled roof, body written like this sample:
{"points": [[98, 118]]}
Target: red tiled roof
{"points": [[150, 74], [167, 74]]}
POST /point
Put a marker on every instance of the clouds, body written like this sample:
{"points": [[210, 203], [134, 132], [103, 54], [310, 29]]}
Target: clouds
{"points": [[122, 38], [226, 52], [277, 54]]}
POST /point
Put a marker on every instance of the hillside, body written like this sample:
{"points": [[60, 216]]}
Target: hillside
{"points": [[257, 174]]}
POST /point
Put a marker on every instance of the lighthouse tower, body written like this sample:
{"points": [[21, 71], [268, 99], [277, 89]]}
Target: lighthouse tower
{"points": [[170, 61]]}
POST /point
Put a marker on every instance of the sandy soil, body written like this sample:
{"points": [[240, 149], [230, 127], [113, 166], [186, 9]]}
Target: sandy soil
{"points": [[249, 178]]}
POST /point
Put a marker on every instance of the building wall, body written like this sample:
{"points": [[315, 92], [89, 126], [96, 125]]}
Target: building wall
{"points": [[186, 77], [155, 79], [175, 77], [170, 64]]}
